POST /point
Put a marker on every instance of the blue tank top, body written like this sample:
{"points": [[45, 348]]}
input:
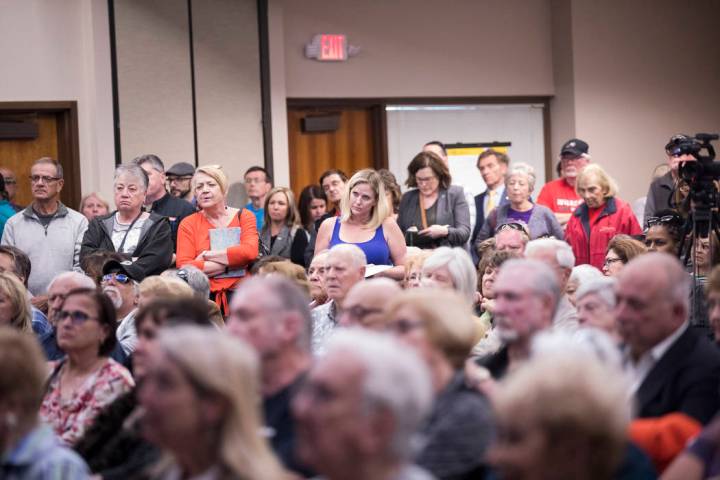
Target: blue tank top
{"points": [[376, 249]]}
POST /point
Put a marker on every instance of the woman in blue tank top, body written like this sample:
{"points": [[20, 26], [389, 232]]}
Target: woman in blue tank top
{"points": [[366, 221]]}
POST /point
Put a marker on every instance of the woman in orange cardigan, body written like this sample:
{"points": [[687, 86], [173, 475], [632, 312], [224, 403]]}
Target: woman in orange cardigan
{"points": [[232, 233]]}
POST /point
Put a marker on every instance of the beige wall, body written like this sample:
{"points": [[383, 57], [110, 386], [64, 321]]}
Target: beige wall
{"points": [[60, 50]]}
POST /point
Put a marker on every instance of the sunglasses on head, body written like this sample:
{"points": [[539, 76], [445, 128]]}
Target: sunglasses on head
{"points": [[119, 277], [664, 220], [513, 226]]}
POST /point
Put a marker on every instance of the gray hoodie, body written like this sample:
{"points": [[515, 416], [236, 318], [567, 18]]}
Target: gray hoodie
{"points": [[53, 249]]}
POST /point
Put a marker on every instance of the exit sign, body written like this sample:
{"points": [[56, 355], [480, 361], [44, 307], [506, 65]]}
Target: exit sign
{"points": [[327, 47]]}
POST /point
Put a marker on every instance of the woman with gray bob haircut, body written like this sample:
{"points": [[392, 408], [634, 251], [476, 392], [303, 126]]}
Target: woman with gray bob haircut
{"points": [[144, 239], [595, 302], [540, 220]]}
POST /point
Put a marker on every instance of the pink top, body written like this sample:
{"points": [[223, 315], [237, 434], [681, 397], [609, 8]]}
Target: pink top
{"points": [[70, 418]]}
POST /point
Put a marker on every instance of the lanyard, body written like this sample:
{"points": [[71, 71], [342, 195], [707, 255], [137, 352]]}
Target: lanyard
{"points": [[122, 244]]}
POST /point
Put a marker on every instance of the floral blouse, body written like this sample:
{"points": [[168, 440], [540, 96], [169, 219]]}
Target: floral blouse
{"points": [[70, 418]]}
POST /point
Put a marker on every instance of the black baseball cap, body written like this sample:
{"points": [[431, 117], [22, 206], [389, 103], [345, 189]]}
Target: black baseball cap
{"points": [[126, 267], [574, 147]]}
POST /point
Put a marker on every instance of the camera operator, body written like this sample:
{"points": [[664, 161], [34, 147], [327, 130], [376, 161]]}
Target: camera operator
{"points": [[661, 189]]}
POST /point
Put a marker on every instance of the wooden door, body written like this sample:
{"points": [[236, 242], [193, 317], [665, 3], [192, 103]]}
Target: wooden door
{"points": [[57, 137], [353, 146]]}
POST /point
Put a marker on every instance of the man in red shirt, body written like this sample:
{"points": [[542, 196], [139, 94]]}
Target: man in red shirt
{"points": [[559, 195]]}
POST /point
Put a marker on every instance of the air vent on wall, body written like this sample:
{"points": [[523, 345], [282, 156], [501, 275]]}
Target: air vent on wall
{"points": [[18, 127], [328, 122]]}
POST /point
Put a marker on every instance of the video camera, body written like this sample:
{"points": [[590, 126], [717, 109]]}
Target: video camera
{"points": [[702, 174]]}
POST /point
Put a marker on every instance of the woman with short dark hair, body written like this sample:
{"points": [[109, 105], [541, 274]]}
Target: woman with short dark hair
{"points": [[86, 379], [434, 213]]}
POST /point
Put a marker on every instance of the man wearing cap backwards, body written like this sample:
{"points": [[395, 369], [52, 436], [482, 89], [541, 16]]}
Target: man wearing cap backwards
{"points": [[658, 197], [559, 195], [178, 178]]}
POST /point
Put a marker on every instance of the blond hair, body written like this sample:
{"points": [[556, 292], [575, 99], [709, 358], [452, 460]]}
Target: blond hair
{"points": [[17, 295], [216, 173], [415, 260], [225, 367], [381, 210], [294, 273], [447, 319], [165, 288], [605, 181]]}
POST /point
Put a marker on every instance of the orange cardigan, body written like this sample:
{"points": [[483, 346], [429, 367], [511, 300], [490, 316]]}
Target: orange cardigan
{"points": [[194, 237]]}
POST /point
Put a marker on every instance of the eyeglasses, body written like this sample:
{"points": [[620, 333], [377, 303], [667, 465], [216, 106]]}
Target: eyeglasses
{"points": [[662, 220], [76, 316], [10, 181], [43, 179], [119, 277], [610, 261], [513, 226]]}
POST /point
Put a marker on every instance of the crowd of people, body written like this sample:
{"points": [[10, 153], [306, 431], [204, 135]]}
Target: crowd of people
{"points": [[354, 331]]}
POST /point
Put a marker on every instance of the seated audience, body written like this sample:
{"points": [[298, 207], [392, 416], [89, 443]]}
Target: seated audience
{"points": [[519, 185], [434, 213], [200, 284], [272, 316], [93, 206], [144, 239], [316, 278], [596, 306], [122, 290], [559, 256], [366, 303], [365, 222], [312, 205], [621, 249], [452, 268], [15, 308], [526, 297], [603, 213], [281, 233], [662, 188], [493, 167], [28, 449], [15, 262], [224, 263], [92, 264], [544, 426], [439, 326], [162, 288], [511, 236], [358, 412], [559, 195], [112, 445], [664, 232], [292, 271], [86, 379], [344, 267], [413, 267], [580, 275], [675, 372], [200, 406]]}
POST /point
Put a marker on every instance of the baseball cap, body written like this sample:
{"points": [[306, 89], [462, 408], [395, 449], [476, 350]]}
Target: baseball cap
{"points": [[575, 147]]}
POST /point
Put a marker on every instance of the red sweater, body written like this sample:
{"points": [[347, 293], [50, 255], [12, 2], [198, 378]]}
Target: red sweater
{"points": [[589, 241], [194, 237]]}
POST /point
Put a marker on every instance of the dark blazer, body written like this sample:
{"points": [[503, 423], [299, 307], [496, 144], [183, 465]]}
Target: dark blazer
{"points": [[452, 210], [480, 219], [685, 380]]}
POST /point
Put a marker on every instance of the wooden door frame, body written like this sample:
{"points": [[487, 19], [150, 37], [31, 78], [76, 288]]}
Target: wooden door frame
{"points": [[67, 138], [379, 116]]}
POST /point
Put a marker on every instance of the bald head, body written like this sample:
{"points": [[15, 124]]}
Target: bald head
{"points": [[653, 294], [366, 302]]}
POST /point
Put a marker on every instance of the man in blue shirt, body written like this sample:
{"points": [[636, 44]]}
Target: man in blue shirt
{"points": [[257, 185]]}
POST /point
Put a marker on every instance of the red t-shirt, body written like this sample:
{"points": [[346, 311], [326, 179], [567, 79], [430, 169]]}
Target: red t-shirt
{"points": [[559, 197]]}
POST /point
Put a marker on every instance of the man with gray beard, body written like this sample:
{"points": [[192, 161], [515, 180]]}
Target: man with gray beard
{"points": [[527, 293], [117, 283]]}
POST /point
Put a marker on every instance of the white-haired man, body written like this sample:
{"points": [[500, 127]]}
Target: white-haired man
{"points": [[272, 315], [119, 284], [559, 195], [526, 298], [559, 256], [360, 408], [344, 267], [365, 303]]}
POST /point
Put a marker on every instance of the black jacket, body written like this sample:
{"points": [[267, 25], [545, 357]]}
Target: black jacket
{"points": [[175, 209], [685, 380], [154, 250]]}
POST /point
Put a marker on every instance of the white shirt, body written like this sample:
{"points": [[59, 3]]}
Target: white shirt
{"points": [[126, 333]]}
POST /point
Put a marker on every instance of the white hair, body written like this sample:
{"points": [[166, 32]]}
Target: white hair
{"points": [[542, 278], [525, 169], [80, 279], [585, 273], [395, 378], [585, 341], [459, 264], [350, 251], [563, 252], [603, 287]]}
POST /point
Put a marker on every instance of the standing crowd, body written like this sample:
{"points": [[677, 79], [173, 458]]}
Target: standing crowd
{"points": [[357, 332]]}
